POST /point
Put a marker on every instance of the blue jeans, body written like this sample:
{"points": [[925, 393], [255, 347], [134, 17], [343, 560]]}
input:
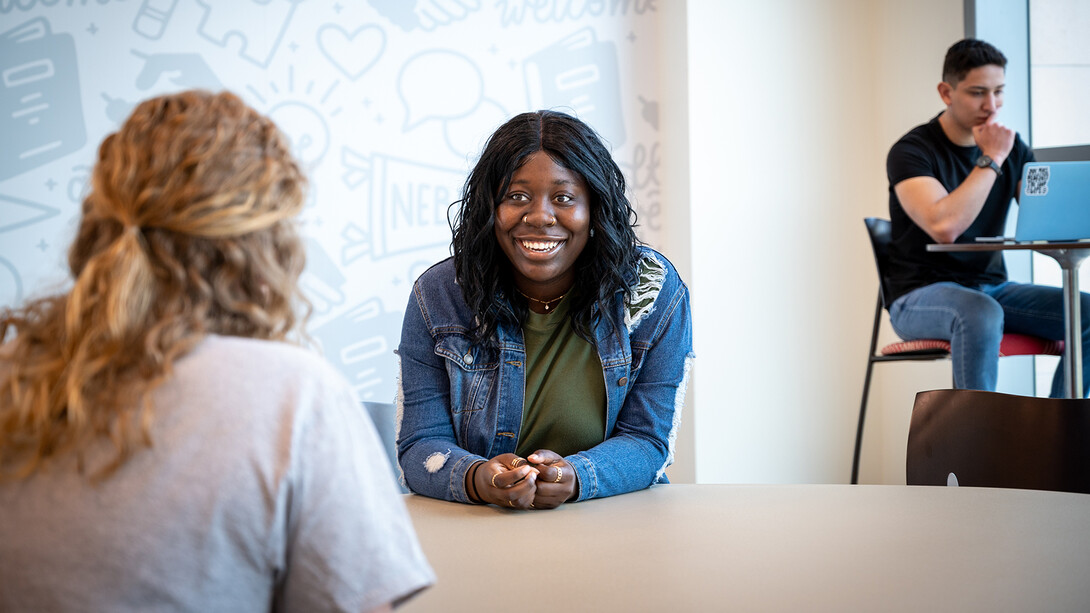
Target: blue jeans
{"points": [[974, 320]]}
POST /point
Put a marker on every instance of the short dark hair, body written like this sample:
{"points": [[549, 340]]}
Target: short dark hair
{"points": [[607, 263], [968, 54]]}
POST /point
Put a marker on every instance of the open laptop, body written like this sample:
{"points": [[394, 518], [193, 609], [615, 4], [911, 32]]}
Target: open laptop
{"points": [[1055, 202]]}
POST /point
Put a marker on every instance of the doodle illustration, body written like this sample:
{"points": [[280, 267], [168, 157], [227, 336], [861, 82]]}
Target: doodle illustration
{"points": [[424, 15], [579, 73], [181, 70], [465, 135], [386, 103], [40, 110], [410, 202], [352, 53], [305, 127], [16, 213], [357, 244], [152, 18], [258, 39], [356, 342], [11, 284], [439, 85], [322, 282]]}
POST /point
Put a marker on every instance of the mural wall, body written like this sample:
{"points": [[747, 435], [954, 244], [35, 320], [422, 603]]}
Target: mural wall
{"points": [[386, 102]]}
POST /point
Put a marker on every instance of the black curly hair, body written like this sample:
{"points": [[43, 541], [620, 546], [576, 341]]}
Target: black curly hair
{"points": [[606, 265]]}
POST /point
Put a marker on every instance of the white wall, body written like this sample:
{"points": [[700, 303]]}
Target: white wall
{"points": [[792, 108]]}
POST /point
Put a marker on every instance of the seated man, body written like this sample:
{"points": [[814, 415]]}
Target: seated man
{"points": [[952, 180]]}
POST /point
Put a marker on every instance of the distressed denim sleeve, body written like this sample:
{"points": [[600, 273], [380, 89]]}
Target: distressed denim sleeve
{"points": [[641, 444], [432, 463]]}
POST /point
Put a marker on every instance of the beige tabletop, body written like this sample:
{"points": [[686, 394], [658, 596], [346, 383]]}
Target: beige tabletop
{"points": [[763, 548]]}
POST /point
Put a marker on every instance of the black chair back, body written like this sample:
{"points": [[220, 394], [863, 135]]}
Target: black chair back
{"points": [[988, 439], [880, 232]]}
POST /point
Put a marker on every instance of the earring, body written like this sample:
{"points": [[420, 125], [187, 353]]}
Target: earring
{"points": [[592, 232]]}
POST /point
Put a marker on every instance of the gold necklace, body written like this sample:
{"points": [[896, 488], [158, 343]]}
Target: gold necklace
{"points": [[544, 302]]}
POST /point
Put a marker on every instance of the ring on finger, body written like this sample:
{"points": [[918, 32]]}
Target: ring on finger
{"points": [[494, 475], [511, 504], [559, 474], [515, 464]]}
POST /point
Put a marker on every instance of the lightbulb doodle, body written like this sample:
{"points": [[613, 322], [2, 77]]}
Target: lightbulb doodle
{"points": [[303, 123]]}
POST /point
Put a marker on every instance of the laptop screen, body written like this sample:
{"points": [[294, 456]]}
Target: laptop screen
{"points": [[1055, 202]]}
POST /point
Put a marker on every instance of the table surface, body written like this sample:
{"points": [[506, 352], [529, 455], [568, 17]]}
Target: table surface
{"points": [[1009, 245], [763, 548]]}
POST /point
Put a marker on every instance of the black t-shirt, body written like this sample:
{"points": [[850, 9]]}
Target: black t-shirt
{"points": [[927, 152]]}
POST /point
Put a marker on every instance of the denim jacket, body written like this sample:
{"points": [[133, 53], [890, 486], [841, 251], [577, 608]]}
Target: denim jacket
{"points": [[459, 402]]}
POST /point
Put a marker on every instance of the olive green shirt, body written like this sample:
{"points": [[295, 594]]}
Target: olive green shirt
{"points": [[564, 409]]}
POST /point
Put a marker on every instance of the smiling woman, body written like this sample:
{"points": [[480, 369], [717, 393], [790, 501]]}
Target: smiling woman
{"points": [[547, 360], [542, 226]]}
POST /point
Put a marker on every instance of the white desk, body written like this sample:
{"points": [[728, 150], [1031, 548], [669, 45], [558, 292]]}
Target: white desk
{"points": [[680, 548]]}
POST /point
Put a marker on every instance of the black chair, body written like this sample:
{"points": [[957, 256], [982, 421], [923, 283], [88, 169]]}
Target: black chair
{"points": [[879, 232], [988, 439]]}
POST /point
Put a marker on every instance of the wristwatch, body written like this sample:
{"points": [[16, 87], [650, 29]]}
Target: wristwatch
{"points": [[987, 162]]}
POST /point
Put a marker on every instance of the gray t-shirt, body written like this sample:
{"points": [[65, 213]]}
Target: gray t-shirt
{"points": [[266, 490]]}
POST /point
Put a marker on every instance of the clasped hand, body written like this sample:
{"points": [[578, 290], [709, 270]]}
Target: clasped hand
{"points": [[543, 480], [994, 139]]}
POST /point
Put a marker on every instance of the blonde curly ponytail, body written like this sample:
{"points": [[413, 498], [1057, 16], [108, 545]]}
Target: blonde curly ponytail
{"points": [[188, 230]]}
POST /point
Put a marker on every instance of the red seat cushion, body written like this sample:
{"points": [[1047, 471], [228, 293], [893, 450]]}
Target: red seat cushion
{"points": [[927, 344], [1022, 344], [1012, 344]]}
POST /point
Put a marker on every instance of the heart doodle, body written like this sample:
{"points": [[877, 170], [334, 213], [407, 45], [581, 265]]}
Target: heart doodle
{"points": [[352, 53]]}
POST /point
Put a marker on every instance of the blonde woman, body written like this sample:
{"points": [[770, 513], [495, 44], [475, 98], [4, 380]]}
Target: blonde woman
{"points": [[162, 445]]}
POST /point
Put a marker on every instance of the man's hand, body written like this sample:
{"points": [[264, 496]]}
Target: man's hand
{"points": [[995, 140]]}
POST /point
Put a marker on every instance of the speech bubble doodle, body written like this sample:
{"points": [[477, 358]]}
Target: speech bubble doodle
{"points": [[454, 75], [465, 137], [352, 53]]}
